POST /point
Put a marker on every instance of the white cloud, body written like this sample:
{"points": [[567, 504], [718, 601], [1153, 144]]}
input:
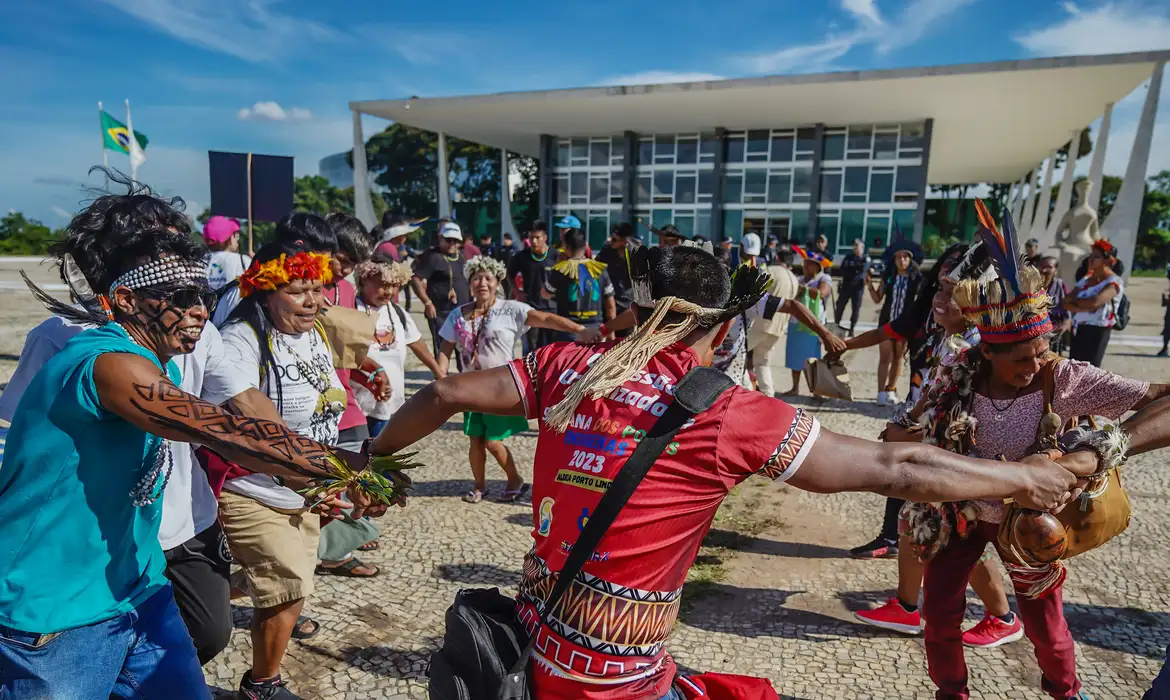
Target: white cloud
{"points": [[248, 30], [657, 77], [910, 26], [1109, 28], [865, 9], [272, 111], [62, 213]]}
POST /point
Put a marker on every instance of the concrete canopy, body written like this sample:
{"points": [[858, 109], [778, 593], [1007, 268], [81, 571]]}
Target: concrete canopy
{"points": [[993, 122]]}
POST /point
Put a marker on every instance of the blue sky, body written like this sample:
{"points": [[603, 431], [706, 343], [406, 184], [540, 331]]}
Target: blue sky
{"points": [[275, 76]]}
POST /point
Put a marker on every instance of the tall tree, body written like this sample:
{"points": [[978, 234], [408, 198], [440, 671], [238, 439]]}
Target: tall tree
{"points": [[23, 236]]}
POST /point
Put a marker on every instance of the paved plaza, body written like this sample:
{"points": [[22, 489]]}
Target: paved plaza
{"points": [[772, 594]]}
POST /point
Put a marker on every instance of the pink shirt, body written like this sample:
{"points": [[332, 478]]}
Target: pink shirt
{"points": [[1080, 389], [344, 294]]}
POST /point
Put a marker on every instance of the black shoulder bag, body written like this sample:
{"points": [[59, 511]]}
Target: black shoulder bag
{"points": [[485, 649]]}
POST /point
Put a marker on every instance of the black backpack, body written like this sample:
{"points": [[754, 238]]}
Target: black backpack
{"points": [[1121, 313]]}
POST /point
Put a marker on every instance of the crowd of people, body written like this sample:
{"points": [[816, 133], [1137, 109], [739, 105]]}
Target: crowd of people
{"points": [[172, 420]]}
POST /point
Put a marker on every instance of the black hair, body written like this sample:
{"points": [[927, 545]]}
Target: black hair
{"points": [[308, 231], [507, 236], [118, 232], [574, 240], [352, 237], [538, 225], [691, 274], [253, 312]]}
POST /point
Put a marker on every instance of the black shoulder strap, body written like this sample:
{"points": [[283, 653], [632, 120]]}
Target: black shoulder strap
{"points": [[401, 314], [772, 306], [695, 393]]}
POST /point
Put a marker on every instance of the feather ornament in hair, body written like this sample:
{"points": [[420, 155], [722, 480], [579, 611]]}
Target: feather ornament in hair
{"points": [[86, 312], [748, 286], [1001, 246], [75, 278]]}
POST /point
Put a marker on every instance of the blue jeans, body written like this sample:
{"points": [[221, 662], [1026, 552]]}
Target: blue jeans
{"points": [[375, 425], [1161, 688], [672, 695], [143, 654]]}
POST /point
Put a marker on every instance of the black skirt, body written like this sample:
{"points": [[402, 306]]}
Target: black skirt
{"points": [[1089, 344]]}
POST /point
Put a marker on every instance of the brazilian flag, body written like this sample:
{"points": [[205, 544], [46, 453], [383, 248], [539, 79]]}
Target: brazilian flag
{"points": [[117, 137]]}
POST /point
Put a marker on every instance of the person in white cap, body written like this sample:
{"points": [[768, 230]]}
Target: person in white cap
{"points": [[438, 279]]}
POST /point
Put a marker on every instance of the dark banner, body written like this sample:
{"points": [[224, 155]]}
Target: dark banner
{"points": [[272, 185]]}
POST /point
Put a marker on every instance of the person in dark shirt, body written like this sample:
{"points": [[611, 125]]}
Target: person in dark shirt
{"points": [[438, 278], [1057, 291], [616, 255], [771, 254], [527, 273], [852, 289], [1032, 252], [580, 286], [821, 245]]}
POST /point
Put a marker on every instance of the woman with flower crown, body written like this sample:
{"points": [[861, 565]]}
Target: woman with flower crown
{"points": [[989, 403]]}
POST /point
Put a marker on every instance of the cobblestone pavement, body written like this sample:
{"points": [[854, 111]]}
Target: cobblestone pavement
{"points": [[773, 597]]}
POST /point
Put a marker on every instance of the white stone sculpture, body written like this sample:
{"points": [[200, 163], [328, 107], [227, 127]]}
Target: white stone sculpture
{"points": [[1077, 232]]}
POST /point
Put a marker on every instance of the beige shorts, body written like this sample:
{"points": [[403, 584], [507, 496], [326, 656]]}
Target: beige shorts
{"points": [[277, 549]]}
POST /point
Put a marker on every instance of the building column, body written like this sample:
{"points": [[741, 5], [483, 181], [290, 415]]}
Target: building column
{"points": [[444, 181], [363, 204], [1097, 168], [630, 177], [920, 212], [814, 203], [1064, 199], [1025, 221], [1039, 223], [1121, 226], [1017, 203], [718, 170], [506, 224], [544, 170]]}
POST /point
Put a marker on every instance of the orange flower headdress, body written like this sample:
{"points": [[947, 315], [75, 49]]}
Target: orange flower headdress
{"points": [[268, 276]]}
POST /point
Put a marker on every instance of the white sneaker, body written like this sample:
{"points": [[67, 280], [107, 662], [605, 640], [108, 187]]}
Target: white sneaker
{"points": [[892, 397], [882, 398]]}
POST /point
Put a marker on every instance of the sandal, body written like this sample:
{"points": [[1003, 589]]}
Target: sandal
{"points": [[298, 629], [513, 495], [346, 569], [370, 546], [473, 496]]}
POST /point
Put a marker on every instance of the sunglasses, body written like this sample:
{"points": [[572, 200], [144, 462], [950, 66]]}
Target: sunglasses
{"points": [[184, 297]]}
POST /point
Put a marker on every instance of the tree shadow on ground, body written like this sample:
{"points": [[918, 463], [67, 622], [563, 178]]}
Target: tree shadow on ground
{"points": [[524, 519], [729, 539], [761, 612], [477, 574], [459, 487], [384, 661]]}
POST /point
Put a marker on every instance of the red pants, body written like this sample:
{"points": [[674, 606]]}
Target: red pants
{"points": [[945, 603]]}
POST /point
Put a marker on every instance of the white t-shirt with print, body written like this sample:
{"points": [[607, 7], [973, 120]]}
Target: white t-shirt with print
{"points": [[300, 403], [223, 266], [1106, 316], [389, 350], [506, 321]]}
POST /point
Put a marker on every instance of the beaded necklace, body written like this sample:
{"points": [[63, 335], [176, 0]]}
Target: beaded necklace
{"points": [[151, 485]]}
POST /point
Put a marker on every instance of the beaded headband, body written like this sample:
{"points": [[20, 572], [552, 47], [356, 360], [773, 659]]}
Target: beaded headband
{"points": [[268, 276], [161, 271]]}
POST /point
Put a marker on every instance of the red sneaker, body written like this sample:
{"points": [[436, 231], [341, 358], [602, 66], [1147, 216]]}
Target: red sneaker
{"points": [[992, 632], [892, 616]]}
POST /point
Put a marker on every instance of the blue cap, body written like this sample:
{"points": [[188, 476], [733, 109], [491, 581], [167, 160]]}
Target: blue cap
{"points": [[568, 221]]}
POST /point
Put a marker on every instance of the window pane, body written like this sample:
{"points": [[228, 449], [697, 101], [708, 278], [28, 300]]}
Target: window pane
{"points": [[798, 225], [881, 187], [779, 188], [578, 182], [562, 191], [805, 143], [860, 138], [598, 229], [684, 189], [755, 185], [708, 148], [877, 228], [663, 186], [732, 224], [644, 184], [599, 153], [834, 147], [885, 145], [757, 141], [827, 227], [642, 225], [733, 188], [831, 187], [852, 226], [913, 135], [703, 225], [856, 180], [688, 151], [617, 155], [645, 152], [801, 183], [706, 182], [735, 150], [562, 157], [599, 190], [664, 148], [685, 224], [904, 218], [580, 150], [617, 187], [661, 217], [782, 148], [909, 179]]}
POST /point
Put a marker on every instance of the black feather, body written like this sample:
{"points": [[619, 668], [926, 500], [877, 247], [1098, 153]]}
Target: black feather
{"points": [[86, 312]]}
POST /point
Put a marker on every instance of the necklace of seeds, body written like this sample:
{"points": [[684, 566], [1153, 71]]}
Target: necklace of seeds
{"points": [[151, 485], [315, 373]]}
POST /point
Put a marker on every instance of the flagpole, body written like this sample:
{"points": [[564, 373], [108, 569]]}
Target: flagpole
{"points": [[102, 131], [130, 145]]}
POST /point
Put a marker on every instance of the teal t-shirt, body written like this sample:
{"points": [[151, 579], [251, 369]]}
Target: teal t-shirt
{"points": [[74, 549]]}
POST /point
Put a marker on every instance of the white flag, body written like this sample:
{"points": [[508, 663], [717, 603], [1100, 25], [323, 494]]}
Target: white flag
{"points": [[137, 155]]}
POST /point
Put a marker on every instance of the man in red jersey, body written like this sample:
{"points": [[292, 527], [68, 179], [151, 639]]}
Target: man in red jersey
{"points": [[606, 638]]}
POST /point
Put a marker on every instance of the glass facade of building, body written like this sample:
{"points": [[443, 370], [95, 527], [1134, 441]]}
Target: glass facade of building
{"points": [[858, 182]]}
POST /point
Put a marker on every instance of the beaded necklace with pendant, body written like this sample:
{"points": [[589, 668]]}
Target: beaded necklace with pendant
{"points": [[150, 487]]}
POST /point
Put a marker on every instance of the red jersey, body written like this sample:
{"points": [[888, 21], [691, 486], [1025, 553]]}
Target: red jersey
{"points": [[606, 638]]}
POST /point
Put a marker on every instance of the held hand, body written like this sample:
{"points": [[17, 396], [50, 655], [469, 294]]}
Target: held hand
{"points": [[589, 335], [1050, 486], [834, 346], [429, 310], [1080, 462], [364, 505], [330, 507], [379, 386], [897, 433]]}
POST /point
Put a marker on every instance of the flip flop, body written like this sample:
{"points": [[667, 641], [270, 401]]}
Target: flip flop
{"points": [[473, 496], [298, 633], [513, 495], [347, 569], [369, 546]]}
